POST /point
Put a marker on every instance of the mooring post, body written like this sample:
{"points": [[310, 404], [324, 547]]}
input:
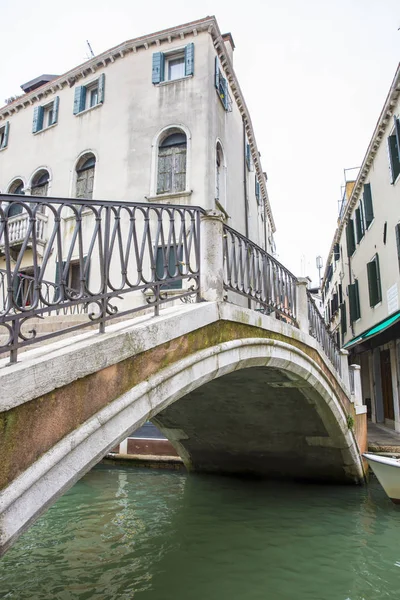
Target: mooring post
{"points": [[211, 256]]}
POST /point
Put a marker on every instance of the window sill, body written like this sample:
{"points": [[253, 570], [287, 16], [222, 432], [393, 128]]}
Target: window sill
{"points": [[45, 129], [377, 305], [83, 112], [5, 148], [396, 180], [168, 81], [169, 196]]}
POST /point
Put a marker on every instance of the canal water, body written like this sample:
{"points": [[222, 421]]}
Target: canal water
{"points": [[157, 535]]}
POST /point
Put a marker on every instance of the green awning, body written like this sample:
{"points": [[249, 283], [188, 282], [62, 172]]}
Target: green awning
{"points": [[388, 322]]}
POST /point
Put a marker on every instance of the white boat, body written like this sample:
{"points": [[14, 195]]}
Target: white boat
{"points": [[387, 471]]}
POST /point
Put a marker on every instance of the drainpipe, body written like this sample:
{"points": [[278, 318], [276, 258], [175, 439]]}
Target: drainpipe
{"points": [[246, 204]]}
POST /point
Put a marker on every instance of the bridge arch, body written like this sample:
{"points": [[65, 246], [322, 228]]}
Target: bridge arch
{"points": [[187, 370]]}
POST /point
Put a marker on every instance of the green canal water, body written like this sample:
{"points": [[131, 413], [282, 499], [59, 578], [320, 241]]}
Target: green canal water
{"points": [[157, 535]]}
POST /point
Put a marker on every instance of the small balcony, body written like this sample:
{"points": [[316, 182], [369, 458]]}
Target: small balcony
{"points": [[18, 227]]}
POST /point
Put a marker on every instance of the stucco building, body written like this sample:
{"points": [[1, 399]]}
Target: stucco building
{"points": [[157, 119], [362, 276]]}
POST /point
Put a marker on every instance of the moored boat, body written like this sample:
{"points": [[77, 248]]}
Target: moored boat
{"points": [[387, 471]]}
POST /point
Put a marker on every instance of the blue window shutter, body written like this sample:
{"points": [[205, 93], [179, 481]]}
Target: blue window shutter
{"points": [[37, 124], [248, 157], [158, 67], [216, 81], [6, 134], [102, 81], [56, 104], [257, 190], [189, 59], [79, 99]]}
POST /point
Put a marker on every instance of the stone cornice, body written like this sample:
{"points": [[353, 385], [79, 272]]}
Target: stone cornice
{"points": [[167, 35], [373, 147]]}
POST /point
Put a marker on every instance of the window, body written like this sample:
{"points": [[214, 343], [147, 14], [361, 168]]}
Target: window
{"points": [[368, 208], [374, 281], [221, 85], [336, 252], [168, 266], [257, 191], [171, 175], [89, 95], [359, 223], [173, 65], [73, 279], [40, 183], [45, 116], [17, 187], [354, 300], [85, 177], [248, 157], [394, 150], [4, 133], [350, 238], [40, 186]]}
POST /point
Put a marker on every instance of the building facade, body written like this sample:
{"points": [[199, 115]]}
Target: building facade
{"points": [[157, 119], [362, 278]]}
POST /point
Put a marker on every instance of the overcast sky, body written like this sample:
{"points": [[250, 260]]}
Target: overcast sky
{"points": [[314, 73]]}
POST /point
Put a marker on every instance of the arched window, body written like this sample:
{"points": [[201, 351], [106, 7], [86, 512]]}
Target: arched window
{"points": [[85, 176], [40, 183], [17, 187], [171, 172], [220, 175]]}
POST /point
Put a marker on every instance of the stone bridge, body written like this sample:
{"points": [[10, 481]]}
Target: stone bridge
{"points": [[236, 389]]}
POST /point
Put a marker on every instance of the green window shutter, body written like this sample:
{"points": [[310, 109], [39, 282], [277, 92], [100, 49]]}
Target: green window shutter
{"points": [[397, 131], [362, 218], [102, 81], [37, 124], [394, 157], [374, 281], [398, 242], [343, 318], [166, 266], [189, 59], [368, 208], [158, 67], [359, 225], [354, 300], [56, 104], [79, 99], [350, 238], [216, 78], [6, 134]]}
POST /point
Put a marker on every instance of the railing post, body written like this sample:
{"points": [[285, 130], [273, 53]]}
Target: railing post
{"points": [[344, 368], [211, 256], [358, 400], [302, 304]]}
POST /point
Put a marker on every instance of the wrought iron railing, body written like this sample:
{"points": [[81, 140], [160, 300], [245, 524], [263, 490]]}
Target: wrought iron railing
{"points": [[109, 259], [253, 273], [321, 333], [104, 260]]}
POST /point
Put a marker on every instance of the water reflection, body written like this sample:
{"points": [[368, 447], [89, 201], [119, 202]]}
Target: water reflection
{"points": [[163, 535]]}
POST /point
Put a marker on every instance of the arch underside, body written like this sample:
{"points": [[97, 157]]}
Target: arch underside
{"points": [[259, 421]]}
